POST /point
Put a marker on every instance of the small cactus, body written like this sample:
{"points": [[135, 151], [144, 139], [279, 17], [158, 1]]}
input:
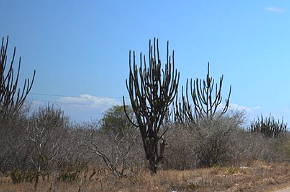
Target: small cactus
{"points": [[268, 126]]}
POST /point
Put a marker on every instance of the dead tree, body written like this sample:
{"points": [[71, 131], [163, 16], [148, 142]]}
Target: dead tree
{"points": [[12, 97], [44, 135], [152, 90], [206, 97], [115, 150]]}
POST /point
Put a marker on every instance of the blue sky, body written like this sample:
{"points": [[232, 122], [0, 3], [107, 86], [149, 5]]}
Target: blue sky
{"points": [[80, 48]]}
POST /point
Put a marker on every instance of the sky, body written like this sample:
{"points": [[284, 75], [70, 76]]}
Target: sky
{"points": [[79, 48]]}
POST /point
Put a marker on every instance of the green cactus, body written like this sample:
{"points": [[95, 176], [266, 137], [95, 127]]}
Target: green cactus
{"points": [[268, 126]]}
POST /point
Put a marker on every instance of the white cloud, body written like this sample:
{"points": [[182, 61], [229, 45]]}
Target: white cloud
{"points": [[275, 9], [236, 107], [86, 100], [80, 108]]}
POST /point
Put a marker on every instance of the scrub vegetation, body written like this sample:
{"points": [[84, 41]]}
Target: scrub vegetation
{"points": [[168, 138]]}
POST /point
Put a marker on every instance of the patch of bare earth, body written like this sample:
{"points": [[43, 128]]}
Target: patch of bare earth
{"points": [[258, 176]]}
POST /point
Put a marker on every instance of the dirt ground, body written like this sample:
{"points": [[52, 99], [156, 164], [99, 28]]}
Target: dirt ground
{"points": [[258, 176]]}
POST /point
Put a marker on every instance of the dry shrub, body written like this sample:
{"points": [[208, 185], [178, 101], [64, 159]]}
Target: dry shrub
{"points": [[213, 140], [284, 147], [71, 171], [202, 144], [120, 152], [220, 141], [14, 151], [248, 147], [179, 149]]}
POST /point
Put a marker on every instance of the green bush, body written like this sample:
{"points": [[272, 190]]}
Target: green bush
{"points": [[115, 120]]}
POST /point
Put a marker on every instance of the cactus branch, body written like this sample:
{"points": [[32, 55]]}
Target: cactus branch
{"points": [[151, 90]]}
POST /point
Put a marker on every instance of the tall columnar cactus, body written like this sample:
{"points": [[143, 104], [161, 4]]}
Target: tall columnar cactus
{"points": [[12, 96], [152, 89], [268, 126], [206, 97]]}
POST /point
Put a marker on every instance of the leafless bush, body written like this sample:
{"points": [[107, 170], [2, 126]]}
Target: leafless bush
{"points": [[73, 147], [14, 152], [46, 128], [224, 141], [118, 152], [202, 144], [212, 138], [45, 131], [113, 140], [71, 171], [180, 148], [247, 147], [211, 142]]}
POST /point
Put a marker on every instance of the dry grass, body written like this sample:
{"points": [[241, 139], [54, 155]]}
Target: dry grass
{"points": [[258, 176]]}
